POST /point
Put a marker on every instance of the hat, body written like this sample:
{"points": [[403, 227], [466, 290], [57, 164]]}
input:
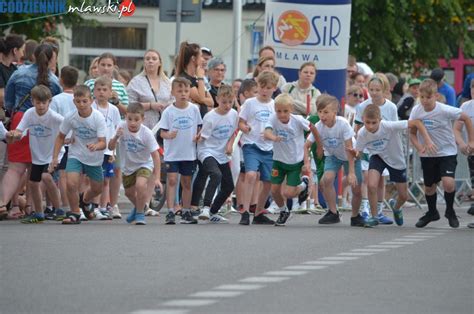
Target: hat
{"points": [[206, 50], [214, 62], [413, 81], [437, 74]]}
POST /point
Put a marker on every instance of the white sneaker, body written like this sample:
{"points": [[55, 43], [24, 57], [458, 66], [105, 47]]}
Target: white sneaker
{"points": [[218, 219], [83, 217], [151, 212], [99, 215], [116, 212], [205, 213]]}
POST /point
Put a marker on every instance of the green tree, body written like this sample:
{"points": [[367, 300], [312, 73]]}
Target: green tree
{"points": [[401, 35]]}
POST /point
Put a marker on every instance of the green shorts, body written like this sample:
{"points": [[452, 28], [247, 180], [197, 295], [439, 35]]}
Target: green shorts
{"points": [[292, 173], [130, 180]]}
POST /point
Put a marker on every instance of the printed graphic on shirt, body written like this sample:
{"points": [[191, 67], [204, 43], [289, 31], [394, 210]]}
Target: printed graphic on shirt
{"points": [[39, 130], [262, 115], [222, 132], [134, 146], [286, 135], [378, 145], [182, 123], [332, 142], [85, 133]]}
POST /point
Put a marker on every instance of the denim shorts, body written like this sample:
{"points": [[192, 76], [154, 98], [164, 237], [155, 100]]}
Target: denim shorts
{"points": [[256, 159], [93, 172], [332, 163]]}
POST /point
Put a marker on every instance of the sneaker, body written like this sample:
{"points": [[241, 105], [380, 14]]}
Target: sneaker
{"points": [[470, 225], [170, 217], [195, 212], [452, 220], [365, 215], [284, 217], [398, 216], [59, 215], [330, 218], [262, 220], [426, 219], [204, 215], [83, 217], [245, 219], [116, 212], [304, 194], [132, 216], [357, 221], [151, 212], [140, 219], [33, 219], [49, 213], [101, 215], [187, 218], [384, 220], [470, 211], [316, 209], [218, 219], [85, 209], [371, 222]]}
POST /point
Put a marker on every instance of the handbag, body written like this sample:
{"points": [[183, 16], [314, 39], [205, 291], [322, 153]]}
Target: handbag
{"points": [[7, 119]]}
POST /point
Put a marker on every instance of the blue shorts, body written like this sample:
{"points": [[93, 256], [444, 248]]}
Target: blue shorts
{"points": [[396, 175], [93, 172], [332, 163], [184, 168], [256, 159], [108, 167]]}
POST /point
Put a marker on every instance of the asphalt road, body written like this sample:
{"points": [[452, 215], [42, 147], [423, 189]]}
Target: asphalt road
{"points": [[112, 267]]}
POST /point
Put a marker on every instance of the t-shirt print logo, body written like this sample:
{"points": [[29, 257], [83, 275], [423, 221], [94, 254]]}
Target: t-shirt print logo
{"points": [[262, 115], [85, 133], [39, 130], [429, 124], [331, 142], [182, 123], [133, 146], [222, 132], [378, 145], [286, 135]]}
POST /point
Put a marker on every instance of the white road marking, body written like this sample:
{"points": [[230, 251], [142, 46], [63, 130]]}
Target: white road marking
{"points": [[420, 236], [244, 287], [285, 273], [396, 243], [305, 267], [430, 233], [408, 239], [323, 262], [264, 279], [339, 258], [160, 312], [189, 302], [370, 250], [356, 253], [216, 294], [378, 246]]}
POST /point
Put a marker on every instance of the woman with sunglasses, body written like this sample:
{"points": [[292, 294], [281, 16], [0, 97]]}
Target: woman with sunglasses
{"points": [[354, 96]]}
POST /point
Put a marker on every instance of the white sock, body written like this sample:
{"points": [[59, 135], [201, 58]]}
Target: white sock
{"points": [[283, 208], [302, 185], [379, 208]]}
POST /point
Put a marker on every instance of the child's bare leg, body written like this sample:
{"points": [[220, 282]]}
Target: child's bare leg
{"points": [[73, 180], [35, 188], [373, 180], [51, 189], [63, 188], [105, 195], [277, 195], [356, 200], [171, 182], [115, 183], [95, 190], [327, 181], [402, 189], [186, 195], [262, 199], [247, 190]]}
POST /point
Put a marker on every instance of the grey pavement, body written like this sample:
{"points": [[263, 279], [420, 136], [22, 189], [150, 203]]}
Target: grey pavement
{"points": [[112, 267]]}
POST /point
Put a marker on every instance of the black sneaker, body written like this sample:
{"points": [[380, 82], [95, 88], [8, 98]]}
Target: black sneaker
{"points": [[262, 220], [357, 221], [470, 211], [187, 218], [49, 213], [283, 218], [426, 219], [86, 208], [195, 213], [169, 220], [245, 219], [303, 196], [330, 218], [452, 220]]}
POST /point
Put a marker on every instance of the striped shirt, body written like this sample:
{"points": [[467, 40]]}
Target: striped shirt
{"points": [[117, 87]]}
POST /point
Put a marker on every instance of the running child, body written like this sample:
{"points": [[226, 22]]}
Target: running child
{"points": [[85, 152], [179, 127], [140, 160], [287, 131], [441, 166]]}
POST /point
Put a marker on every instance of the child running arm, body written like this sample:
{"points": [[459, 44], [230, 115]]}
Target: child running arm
{"points": [[430, 147], [465, 148]]}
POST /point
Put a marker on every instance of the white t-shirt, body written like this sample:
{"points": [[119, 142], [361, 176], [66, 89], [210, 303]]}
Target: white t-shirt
{"points": [[388, 110], [85, 131], [439, 124], [257, 115], [291, 149], [43, 132], [349, 114], [468, 108], [384, 142], [186, 121], [136, 148], [333, 138], [3, 131], [112, 119], [63, 104], [216, 131]]}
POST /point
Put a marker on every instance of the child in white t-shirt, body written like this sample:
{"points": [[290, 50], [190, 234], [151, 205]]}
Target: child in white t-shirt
{"points": [[85, 152], [257, 151], [214, 147], [440, 166], [468, 108], [287, 131], [179, 126], [139, 158], [43, 126], [336, 136], [102, 93], [381, 139]]}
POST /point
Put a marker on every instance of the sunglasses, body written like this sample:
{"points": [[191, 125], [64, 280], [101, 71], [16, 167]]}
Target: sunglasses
{"points": [[358, 95]]}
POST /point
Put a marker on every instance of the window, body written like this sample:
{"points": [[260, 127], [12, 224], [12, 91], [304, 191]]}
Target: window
{"points": [[109, 37]]}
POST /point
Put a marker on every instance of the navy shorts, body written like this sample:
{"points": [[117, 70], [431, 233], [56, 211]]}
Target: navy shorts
{"points": [[184, 168], [396, 175], [37, 172], [108, 167], [434, 168]]}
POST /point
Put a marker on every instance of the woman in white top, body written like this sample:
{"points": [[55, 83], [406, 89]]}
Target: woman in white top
{"points": [[302, 88], [151, 88]]}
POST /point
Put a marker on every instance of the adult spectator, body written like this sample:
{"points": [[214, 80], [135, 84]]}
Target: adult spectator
{"points": [[408, 101], [17, 101], [351, 69], [55, 44], [93, 69], [206, 57], [189, 65], [216, 73], [303, 90], [151, 88], [266, 64], [466, 90], [393, 80], [268, 52], [29, 55], [444, 88], [11, 51]]}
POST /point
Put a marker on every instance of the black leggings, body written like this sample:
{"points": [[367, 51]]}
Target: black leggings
{"points": [[219, 174]]}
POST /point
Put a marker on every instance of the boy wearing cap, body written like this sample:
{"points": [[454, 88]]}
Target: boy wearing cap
{"points": [[444, 88], [407, 102]]}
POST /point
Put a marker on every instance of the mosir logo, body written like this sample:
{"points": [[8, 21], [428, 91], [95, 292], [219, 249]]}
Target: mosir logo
{"points": [[293, 28]]}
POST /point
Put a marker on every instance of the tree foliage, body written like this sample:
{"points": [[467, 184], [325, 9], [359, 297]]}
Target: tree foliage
{"points": [[399, 35]]}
